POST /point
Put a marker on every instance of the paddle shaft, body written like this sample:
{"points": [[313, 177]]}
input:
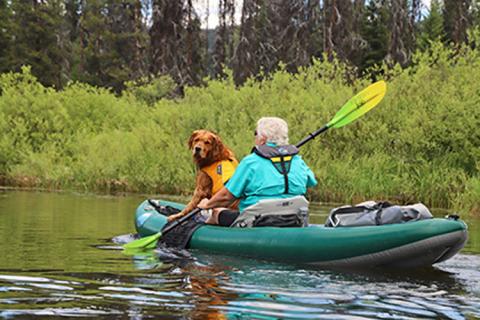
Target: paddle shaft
{"points": [[347, 113], [181, 220], [176, 223], [354, 108], [312, 136], [146, 242]]}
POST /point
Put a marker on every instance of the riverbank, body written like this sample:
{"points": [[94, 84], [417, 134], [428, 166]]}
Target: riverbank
{"points": [[421, 144]]}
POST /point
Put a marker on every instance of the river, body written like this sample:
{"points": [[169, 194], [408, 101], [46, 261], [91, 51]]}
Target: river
{"points": [[57, 261]]}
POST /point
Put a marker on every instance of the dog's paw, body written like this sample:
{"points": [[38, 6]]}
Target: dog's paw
{"points": [[173, 217]]}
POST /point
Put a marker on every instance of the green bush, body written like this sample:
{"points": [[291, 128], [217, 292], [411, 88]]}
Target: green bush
{"points": [[469, 199], [150, 90], [421, 143]]}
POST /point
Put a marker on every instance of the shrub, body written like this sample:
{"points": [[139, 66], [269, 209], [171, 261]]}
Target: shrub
{"points": [[421, 143]]}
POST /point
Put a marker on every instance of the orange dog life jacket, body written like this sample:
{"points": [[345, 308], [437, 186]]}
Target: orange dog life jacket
{"points": [[220, 172]]}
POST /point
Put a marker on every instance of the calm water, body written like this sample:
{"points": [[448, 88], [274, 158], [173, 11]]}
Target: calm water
{"points": [[56, 260]]}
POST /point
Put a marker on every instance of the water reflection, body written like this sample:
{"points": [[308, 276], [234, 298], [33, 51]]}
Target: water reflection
{"points": [[55, 264], [205, 286], [233, 287]]}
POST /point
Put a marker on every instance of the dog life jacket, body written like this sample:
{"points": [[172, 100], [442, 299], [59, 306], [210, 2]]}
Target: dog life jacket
{"points": [[220, 172], [281, 158]]}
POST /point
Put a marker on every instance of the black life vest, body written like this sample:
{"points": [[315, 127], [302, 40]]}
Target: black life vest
{"points": [[280, 157]]}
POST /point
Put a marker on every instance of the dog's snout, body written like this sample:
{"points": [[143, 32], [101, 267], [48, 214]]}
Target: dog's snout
{"points": [[198, 149]]}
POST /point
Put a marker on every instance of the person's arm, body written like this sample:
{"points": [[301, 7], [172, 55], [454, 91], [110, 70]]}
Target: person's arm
{"points": [[222, 198], [311, 180]]}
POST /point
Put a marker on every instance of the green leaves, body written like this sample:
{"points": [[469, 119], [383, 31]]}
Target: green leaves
{"points": [[422, 144]]}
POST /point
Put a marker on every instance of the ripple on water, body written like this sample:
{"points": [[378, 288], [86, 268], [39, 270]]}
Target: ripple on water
{"points": [[56, 265], [60, 312], [200, 288]]}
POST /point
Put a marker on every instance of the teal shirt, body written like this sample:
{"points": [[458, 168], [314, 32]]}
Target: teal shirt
{"points": [[256, 178]]}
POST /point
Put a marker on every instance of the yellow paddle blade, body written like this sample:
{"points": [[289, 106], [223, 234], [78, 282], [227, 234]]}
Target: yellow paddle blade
{"points": [[148, 242], [360, 104]]}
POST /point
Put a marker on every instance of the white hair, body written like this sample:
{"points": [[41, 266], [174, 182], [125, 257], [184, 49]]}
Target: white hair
{"points": [[274, 129]]}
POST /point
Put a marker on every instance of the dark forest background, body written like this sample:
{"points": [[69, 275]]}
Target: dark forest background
{"points": [[108, 43]]}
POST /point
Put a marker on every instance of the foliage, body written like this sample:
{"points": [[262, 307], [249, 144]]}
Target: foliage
{"points": [[457, 19], [432, 26], [420, 144], [468, 200], [374, 31], [111, 43], [5, 38], [150, 90], [37, 40], [176, 41]]}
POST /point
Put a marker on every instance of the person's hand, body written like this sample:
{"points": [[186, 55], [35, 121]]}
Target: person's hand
{"points": [[203, 204]]}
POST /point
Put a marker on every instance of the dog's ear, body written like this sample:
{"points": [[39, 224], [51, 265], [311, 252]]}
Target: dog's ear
{"points": [[218, 147], [192, 137]]}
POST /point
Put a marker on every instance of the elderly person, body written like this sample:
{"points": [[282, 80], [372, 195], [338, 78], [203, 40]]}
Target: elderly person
{"points": [[272, 171]]}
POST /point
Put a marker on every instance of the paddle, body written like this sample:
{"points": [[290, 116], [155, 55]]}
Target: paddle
{"points": [[150, 242], [357, 106]]}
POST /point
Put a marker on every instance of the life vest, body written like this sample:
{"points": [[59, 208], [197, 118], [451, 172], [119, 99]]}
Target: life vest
{"points": [[281, 158], [220, 172]]}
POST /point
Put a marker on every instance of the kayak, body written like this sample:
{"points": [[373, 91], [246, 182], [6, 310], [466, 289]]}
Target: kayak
{"points": [[409, 244]]}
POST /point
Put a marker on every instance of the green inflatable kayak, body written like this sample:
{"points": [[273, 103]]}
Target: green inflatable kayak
{"points": [[410, 244]]}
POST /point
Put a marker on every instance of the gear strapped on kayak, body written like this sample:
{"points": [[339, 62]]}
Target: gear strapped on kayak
{"points": [[281, 158], [371, 213]]}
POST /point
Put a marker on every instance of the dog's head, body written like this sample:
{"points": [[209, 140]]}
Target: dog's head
{"points": [[206, 147]]}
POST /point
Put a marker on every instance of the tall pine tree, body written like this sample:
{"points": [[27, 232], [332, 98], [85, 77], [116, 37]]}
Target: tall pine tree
{"points": [[193, 49], [223, 51], [95, 47], [6, 40], [37, 28], [245, 60], [398, 50], [457, 20], [112, 43], [343, 28], [129, 38], [287, 19], [310, 33], [175, 38], [375, 33], [431, 28]]}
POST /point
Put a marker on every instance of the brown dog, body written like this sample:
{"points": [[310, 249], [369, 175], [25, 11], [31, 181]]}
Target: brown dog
{"points": [[215, 165]]}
